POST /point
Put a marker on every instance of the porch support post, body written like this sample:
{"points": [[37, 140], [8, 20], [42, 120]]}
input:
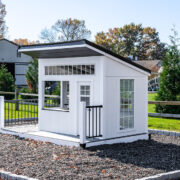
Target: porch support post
{"points": [[82, 123], [61, 105], [1, 112]]}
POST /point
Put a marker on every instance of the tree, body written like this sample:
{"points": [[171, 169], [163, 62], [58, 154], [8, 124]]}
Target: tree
{"points": [[32, 76], [170, 77], [22, 41], [133, 40], [3, 27], [6, 81], [66, 30]]}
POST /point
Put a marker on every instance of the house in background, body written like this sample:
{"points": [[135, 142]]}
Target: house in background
{"points": [[156, 68], [16, 65], [103, 96], [154, 65]]}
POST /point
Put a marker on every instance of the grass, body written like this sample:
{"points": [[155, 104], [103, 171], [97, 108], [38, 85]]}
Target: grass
{"points": [[151, 97], [151, 107], [161, 123], [164, 124]]}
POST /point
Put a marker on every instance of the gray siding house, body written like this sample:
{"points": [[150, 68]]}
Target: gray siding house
{"points": [[16, 64]]}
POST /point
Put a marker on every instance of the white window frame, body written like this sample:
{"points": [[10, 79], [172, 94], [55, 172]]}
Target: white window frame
{"points": [[60, 107]]}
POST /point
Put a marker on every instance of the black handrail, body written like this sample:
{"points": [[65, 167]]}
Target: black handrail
{"points": [[100, 106]]}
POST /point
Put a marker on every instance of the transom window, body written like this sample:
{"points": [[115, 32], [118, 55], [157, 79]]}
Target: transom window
{"points": [[70, 70], [126, 104]]}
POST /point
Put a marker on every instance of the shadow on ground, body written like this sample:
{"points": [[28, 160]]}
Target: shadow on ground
{"points": [[161, 153]]}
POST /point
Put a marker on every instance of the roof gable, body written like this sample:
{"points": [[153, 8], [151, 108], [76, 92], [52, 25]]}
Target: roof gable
{"points": [[3, 39]]}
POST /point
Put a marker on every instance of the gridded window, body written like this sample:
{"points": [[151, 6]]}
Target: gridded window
{"points": [[70, 70], [126, 104], [85, 94]]}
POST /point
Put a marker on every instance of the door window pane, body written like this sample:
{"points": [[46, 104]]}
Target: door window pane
{"points": [[85, 94]]}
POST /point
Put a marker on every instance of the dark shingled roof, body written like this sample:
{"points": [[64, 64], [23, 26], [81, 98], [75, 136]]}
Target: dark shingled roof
{"points": [[153, 65], [76, 52]]}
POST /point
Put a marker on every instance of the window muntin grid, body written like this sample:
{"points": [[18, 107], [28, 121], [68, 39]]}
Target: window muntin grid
{"points": [[85, 94], [70, 70], [126, 104]]}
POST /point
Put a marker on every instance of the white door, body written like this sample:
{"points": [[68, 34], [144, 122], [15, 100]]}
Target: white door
{"points": [[84, 95]]}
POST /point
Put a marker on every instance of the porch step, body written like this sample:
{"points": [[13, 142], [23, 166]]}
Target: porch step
{"points": [[54, 138]]}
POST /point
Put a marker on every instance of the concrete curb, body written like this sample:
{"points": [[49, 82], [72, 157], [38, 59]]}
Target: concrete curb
{"points": [[175, 116], [9, 176], [162, 132], [163, 176]]}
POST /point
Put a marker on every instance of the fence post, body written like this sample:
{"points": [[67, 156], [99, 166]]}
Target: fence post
{"points": [[16, 98], [82, 123], [1, 112]]}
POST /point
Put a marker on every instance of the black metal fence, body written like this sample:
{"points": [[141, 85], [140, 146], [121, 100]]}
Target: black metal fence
{"points": [[93, 121], [23, 111], [50, 102]]}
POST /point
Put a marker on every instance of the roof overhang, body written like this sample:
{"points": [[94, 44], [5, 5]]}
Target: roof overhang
{"points": [[80, 48], [59, 52]]}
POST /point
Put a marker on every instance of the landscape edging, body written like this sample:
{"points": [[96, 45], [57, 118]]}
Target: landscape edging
{"points": [[7, 175], [163, 176], [163, 132]]}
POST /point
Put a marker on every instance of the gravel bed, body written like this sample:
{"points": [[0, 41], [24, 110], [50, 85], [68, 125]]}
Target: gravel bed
{"points": [[121, 161]]}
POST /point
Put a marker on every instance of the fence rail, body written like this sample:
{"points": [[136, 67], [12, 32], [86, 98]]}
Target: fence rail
{"points": [[26, 94], [165, 115], [93, 121], [173, 103]]}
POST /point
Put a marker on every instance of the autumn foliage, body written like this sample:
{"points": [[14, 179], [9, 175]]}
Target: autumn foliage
{"points": [[133, 40], [22, 41]]}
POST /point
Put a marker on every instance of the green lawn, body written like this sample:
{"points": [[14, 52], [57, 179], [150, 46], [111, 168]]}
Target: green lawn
{"points": [[151, 107], [161, 123], [164, 124], [151, 97]]}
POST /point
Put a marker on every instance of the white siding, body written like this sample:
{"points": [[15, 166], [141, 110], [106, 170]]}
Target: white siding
{"points": [[67, 122], [20, 80], [113, 72], [21, 69], [106, 92]]}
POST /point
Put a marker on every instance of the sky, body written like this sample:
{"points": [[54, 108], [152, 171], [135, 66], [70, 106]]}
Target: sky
{"points": [[26, 18]]}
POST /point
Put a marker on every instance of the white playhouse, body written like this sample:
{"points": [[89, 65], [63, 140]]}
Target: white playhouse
{"points": [[97, 96]]}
